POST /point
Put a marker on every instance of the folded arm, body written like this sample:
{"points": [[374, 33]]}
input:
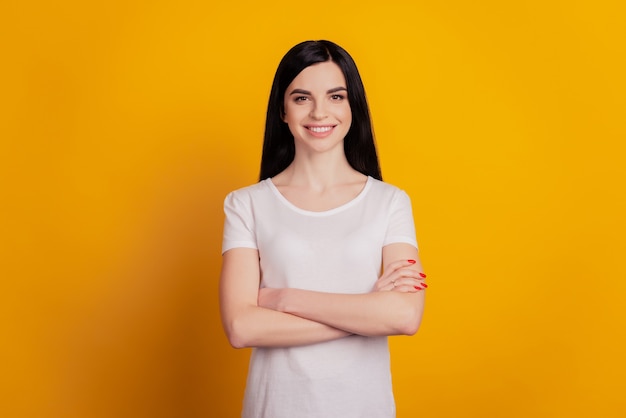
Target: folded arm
{"points": [[395, 309], [254, 317], [249, 325]]}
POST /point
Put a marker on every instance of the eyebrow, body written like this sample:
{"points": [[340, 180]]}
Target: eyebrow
{"points": [[306, 92]]}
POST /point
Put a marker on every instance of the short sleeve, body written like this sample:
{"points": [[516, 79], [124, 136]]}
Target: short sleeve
{"points": [[238, 224], [400, 228]]}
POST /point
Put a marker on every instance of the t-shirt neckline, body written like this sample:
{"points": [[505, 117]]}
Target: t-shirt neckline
{"points": [[339, 208]]}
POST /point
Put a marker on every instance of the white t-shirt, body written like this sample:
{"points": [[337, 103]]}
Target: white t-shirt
{"points": [[337, 251]]}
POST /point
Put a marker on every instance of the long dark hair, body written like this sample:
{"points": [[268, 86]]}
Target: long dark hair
{"points": [[278, 143]]}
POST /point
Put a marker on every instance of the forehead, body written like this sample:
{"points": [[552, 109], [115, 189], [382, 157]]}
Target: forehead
{"points": [[323, 76]]}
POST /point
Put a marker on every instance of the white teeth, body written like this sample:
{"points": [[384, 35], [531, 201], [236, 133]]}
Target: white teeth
{"points": [[320, 129]]}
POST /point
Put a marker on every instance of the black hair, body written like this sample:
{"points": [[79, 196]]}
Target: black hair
{"points": [[278, 142]]}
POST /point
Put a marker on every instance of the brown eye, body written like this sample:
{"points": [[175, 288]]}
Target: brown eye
{"points": [[337, 97]]}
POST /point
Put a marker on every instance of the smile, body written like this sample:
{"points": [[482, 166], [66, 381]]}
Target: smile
{"points": [[319, 129]]}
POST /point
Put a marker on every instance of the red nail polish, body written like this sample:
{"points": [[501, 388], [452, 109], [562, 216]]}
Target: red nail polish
{"points": [[425, 285], [417, 288], [411, 261], [422, 275]]}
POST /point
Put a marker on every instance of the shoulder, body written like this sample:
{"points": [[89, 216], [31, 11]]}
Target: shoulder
{"points": [[388, 198], [248, 193], [382, 190]]}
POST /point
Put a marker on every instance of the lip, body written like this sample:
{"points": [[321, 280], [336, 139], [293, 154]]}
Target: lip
{"points": [[320, 131]]}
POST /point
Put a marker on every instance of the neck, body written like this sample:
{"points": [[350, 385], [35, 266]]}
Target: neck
{"points": [[319, 170]]}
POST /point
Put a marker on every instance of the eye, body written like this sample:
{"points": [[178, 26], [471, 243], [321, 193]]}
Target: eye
{"points": [[337, 97], [299, 99]]}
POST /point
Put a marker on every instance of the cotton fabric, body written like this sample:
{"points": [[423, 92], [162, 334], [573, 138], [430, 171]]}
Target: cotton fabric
{"points": [[337, 251]]}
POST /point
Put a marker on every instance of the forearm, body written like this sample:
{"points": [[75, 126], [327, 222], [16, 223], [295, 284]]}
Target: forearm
{"points": [[370, 314], [254, 326], [248, 325]]}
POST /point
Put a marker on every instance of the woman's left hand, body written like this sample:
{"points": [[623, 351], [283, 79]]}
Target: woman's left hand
{"points": [[401, 276]]}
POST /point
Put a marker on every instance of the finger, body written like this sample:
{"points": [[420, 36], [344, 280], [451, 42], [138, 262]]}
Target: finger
{"points": [[397, 270], [409, 285], [406, 288], [391, 267], [407, 273], [397, 279]]}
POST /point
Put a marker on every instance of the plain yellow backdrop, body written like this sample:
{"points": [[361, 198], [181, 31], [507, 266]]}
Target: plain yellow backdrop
{"points": [[124, 124]]}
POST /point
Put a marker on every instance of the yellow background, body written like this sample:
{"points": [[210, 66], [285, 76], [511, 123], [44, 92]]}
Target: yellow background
{"points": [[124, 124]]}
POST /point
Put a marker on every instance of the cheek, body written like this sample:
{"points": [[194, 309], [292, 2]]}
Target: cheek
{"points": [[347, 115], [290, 117], [291, 121], [293, 112]]}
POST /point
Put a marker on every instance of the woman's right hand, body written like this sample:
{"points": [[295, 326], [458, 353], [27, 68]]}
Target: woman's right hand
{"points": [[401, 276]]}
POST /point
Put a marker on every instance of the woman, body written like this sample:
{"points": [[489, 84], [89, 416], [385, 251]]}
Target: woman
{"points": [[303, 250]]}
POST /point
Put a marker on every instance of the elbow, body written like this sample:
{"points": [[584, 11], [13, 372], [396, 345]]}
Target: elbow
{"points": [[236, 335], [409, 317], [410, 325], [235, 341]]}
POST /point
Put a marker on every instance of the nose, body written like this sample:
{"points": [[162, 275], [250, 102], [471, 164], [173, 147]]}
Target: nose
{"points": [[318, 111]]}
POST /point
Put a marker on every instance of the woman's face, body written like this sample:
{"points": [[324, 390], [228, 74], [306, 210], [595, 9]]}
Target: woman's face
{"points": [[317, 109]]}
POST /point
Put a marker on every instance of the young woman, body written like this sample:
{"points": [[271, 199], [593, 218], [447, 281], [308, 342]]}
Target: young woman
{"points": [[304, 248]]}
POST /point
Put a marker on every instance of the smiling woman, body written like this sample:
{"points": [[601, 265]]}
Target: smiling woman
{"points": [[303, 250], [319, 112]]}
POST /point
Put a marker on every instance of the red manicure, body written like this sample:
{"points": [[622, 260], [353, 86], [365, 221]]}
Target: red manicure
{"points": [[425, 285], [411, 261], [422, 275]]}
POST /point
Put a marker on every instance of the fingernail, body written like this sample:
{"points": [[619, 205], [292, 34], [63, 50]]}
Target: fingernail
{"points": [[425, 285], [417, 288], [411, 261], [422, 275]]}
